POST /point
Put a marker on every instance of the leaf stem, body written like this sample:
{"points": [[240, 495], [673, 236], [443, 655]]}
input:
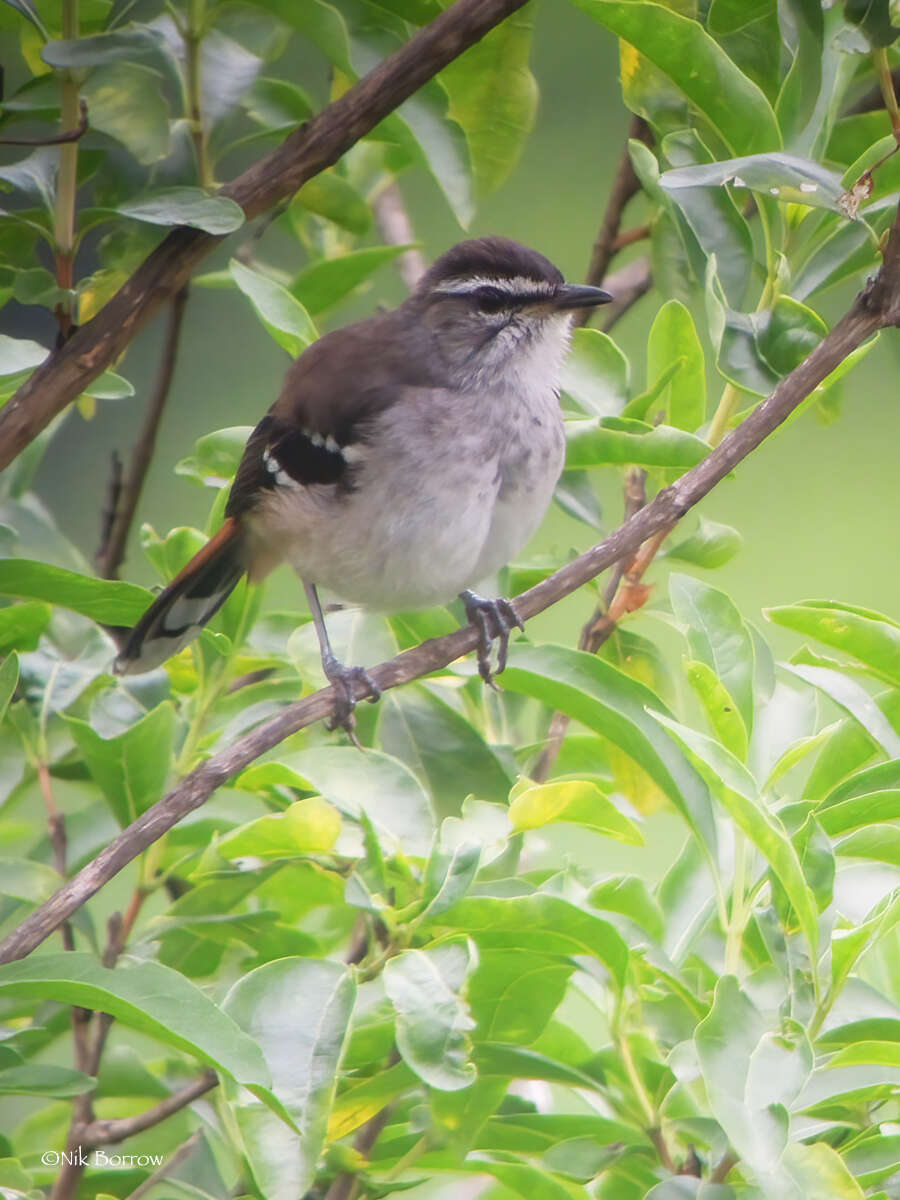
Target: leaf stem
{"points": [[728, 402], [67, 181], [193, 41]]}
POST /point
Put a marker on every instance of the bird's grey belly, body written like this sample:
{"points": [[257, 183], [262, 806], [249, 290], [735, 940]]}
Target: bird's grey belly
{"points": [[412, 535]]}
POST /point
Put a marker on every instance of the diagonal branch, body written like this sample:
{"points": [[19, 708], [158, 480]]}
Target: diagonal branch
{"points": [[103, 1133], [316, 145], [876, 307]]}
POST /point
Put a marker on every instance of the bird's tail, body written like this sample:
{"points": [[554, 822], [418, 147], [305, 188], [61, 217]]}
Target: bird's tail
{"points": [[179, 612]]}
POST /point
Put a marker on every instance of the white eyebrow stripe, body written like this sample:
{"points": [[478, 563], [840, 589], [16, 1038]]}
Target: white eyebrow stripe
{"points": [[516, 285]]}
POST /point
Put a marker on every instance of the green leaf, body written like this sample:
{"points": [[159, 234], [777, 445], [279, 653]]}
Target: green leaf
{"points": [[442, 748], [374, 783], [28, 10], [673, 337], [874, 19], [787, 334], [9, 679], [717, 637], [103, 600], [786, 177], [872, 638], [147, 997], [685, 1187], [21, 626], [131, 768], [609, 702], [185, 206], [720, 708], [34, 882], [277, 103], [285, 318], [109, 386], [80, 53], [751, 38], [216, 456], [595, 374], [737, 791], [801, 90], [711, 546], [712, 216], [363, 1100], [448, 876], [330, 280], [127, 102], [579, 801], [331, 196], [532, 1183], [700, 68], [848, 695], [433, 1021], [298, 1012], [728, 1043], [44, 1079], [493, 97], [628, 895], [309, 826], [514, 993], [880, 843], [818, 1170], [541, 923], [622, 440], [866, 798], [519, 1062], [19, 354]]}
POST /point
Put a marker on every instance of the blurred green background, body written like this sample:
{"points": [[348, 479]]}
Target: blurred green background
{"points": [[817, 506]]}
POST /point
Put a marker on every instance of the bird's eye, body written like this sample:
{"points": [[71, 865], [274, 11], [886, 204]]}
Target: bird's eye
{"points": [[491, 299]]}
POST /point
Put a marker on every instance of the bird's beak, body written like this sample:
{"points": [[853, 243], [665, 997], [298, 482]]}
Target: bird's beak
{"points": [[578, 295]]}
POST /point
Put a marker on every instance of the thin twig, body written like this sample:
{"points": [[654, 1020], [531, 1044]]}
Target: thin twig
{"points": [[346, 1185], [105, 1133], [625, 187], [182, 1154], [128, 492], [627, 287], [396, 229], [317, 144], [58, 139], [876, 307]]}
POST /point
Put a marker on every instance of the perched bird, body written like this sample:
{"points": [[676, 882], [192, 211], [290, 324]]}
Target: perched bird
{"points": [[408, 456]]}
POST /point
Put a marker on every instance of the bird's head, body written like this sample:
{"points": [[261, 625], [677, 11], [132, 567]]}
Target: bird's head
{"points": [[499, 309]]}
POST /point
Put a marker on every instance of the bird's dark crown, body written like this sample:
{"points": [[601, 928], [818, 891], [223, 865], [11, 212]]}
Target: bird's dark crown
{"points": [[493, 262]]}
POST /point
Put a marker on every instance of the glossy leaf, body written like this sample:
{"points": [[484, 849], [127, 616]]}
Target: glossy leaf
{"points": [[595, 373], [185, 206], [615, 706], [9, 678], [720, 708], [309, 826], [717, 637], [865, 798], [620, 440], [131, 768], [848, 695], [285, 318], [147, 997], [102, 48], [103, 600], [328, 281], [578, 801], [868, 636], [433, 1021], [673, 337], [542, 923], [692, 60], [493, 97], [786, 177], [19, 354], [514, 993], [298, 1012], [21, 626], [44, 1079], [732, 784], [712, 545], [331, 196]]}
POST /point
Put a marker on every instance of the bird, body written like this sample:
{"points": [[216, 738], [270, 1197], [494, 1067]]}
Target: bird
{"points": [[408, 457]]}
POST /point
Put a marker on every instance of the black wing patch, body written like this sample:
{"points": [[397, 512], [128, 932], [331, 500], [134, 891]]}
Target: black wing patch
{"points": [[279, 455]]}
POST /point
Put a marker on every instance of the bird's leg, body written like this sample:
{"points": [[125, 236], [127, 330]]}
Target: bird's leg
{"points": [[494, 619], [341, 678]]}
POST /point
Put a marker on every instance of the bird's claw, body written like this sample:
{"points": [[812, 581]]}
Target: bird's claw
{"points": [[494, 620], [344, 680]]}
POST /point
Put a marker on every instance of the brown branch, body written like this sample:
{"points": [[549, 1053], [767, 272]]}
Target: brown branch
{"points": [[878, 306], [625, 187], [104, 1133], [317, 144], [125, 496], [346, 1185], [182, 1154], [58, 139], [396, 229]]}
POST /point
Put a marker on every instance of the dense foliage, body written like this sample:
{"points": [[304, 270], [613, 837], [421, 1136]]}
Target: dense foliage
{"points": [[423, 967]]}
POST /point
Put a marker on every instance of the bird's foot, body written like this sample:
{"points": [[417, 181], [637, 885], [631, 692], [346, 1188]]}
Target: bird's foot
{"points": [[344, 680], [494, 621]]}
